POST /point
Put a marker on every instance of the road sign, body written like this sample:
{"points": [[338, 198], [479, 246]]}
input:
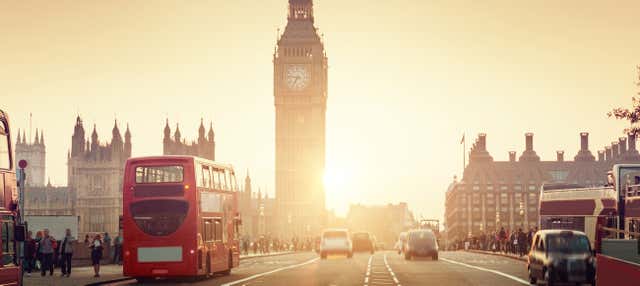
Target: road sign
{"points": [[22, 164]]}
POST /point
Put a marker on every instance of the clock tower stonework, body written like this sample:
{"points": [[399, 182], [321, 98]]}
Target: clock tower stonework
{"points": [[300, 95]]}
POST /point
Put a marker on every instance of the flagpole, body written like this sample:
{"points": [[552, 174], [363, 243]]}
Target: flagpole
{"points": [[464, 150]]}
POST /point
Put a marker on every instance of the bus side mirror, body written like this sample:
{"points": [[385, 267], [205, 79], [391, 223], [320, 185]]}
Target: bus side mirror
{"points": [[20, 233]]}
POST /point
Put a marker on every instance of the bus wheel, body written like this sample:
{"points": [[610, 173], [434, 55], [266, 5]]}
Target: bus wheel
{"points": [[209, 273], [143, 280]]}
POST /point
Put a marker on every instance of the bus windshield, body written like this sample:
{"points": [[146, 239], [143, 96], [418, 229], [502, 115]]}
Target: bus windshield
{"points": [[159, 174], [159, 217]]}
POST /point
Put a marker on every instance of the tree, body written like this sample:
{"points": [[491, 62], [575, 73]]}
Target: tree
{"points": [[632, 115]]}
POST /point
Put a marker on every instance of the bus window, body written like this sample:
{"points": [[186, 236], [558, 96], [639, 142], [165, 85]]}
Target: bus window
{"points": [[225, 181], [218, 229], [5, 157], [208, 230], [8, 247], [159, 174], [206, 177], [234, 187], [216, 179]]}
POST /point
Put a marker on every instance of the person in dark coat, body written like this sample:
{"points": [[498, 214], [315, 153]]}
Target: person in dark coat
{"points": [[30, 249]]}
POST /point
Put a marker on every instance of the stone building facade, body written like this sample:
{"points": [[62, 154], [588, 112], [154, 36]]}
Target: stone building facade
{"points": [[494, 194], [205, 147], [95, 172], [257, 212], [386, 222], [49, 200], [300, 98], [34, 152]]}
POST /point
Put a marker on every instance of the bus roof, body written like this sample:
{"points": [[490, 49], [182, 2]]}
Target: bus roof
{"points": [[580, 201], [170, 158]]}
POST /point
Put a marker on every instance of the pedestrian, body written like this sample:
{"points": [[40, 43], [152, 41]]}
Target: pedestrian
{"points": [[46, 248], [29, 253], [97, 247], [38, 239], [66, 251], [117, 249], [86, 239]]}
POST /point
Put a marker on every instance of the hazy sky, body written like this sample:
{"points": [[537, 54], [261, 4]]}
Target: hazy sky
{"points": [[406, 79]]}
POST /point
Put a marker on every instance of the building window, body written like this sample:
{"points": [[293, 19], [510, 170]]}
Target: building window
{"points": [[489, 187], [532, 187], [517, 187], [558, 176], [503, 188], [476, 187]]}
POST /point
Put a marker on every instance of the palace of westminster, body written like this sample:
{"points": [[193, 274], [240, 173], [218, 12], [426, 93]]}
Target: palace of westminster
{"points": [[95, 172]]}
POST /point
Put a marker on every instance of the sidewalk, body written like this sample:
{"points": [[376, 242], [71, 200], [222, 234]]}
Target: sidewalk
{"points": [[84, 275], [79, 276], [509, 255]]}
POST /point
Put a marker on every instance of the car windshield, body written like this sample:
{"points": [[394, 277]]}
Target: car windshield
{"points": [[361, 236], [335, 234], [568, 243]]}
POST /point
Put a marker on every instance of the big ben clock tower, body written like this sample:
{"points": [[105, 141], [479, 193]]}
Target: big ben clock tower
{"points": [[300, 94]]}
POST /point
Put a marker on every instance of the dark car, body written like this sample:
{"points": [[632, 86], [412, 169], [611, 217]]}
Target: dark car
{"points": [[421, 243], [563, 256], [362, 242]]}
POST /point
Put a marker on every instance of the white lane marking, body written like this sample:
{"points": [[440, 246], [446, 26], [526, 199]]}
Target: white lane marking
{"points": [[487, 270], [270, 272], [386, 263], [366, 277]]}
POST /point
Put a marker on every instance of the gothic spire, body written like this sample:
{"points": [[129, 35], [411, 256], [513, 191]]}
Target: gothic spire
{"points": [[37, 140], [177, 135], [24, 137], [18, 139], [167, 130], [211, 135], [201, 130], [116, 132], [127, 134], [41, 137], [94, 135]]}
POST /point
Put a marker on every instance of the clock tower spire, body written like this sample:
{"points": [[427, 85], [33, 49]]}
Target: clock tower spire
{"points": [[300, 98]]}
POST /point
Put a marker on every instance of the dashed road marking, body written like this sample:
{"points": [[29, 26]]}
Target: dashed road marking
{"points": [[270, 272], [380, 274], [521, 281]]}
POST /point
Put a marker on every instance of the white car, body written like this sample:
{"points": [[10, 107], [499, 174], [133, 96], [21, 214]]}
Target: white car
{"points": [[336, 241]]}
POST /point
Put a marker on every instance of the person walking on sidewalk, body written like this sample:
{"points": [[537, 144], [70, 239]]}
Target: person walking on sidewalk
{"points": [[46, 252], [29, 253], [66, 251], [117, 249], [96, 253]]}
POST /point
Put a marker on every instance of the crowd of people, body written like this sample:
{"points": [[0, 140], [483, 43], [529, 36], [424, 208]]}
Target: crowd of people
{"points": [[45, 253], [265, 244], [516, 242]]}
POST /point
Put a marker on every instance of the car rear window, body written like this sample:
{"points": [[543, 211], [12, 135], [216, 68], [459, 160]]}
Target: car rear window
{"points": [[421, 235], [568, 243], [335, 234]]}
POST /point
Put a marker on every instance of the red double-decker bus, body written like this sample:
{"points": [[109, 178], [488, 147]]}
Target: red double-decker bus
{"points": [[10, 231], [180, 218]]}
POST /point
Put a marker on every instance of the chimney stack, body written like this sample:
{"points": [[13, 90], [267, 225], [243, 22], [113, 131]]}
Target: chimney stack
{"points": [[482, 142], [529, 141], [615, 152], [512, 156], [584, 141], [584, 154], [560, 156], [600, 155], [622, 142], [608, 153], [631, 141]]}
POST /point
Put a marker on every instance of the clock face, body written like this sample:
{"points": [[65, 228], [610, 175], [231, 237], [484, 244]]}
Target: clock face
{"points": [[297, 77]]}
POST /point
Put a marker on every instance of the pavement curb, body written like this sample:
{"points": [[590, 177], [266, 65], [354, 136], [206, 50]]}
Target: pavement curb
{"points": [[523, 258], [241, 258]]}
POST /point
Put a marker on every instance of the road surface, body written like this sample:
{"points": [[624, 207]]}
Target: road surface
{"points": [[384, 268]]}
